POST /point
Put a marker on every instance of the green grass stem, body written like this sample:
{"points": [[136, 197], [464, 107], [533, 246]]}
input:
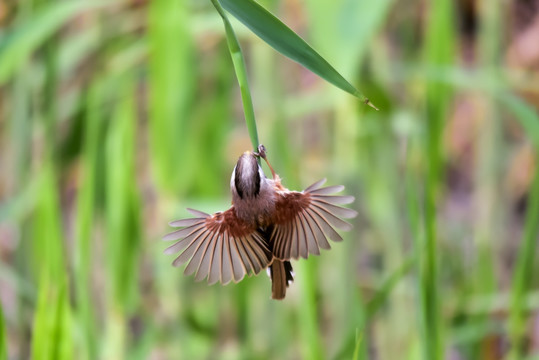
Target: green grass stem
{"points": [[309, 320], [123, 238], [86, 203], [439, 51], [3, 339], [115, 117], [241, 74], [524, 268], [171, 82], [359, 339], [52, 335], [16, 48], [522, 277]]}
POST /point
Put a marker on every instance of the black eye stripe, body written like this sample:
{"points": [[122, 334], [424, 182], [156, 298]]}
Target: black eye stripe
{"points": [[257, 178], [237, 182]]}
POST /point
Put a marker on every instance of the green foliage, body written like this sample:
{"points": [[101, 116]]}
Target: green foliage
{"points": [[172, 87], [52, 328], [116, 116], [86, 207], [522, 276], [439, 51], [3, 341], [241, 74], [287, 42], [122, 203], [52, 332], [19, 44], [359, 337]]}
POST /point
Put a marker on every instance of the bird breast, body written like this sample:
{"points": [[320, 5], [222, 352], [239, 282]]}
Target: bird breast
{"points": [[257, 210]]}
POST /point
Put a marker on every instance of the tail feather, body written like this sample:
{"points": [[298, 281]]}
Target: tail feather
{"points": [[281, 274]]}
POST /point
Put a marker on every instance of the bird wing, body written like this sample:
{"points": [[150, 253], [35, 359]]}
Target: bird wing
{"points": [[304, 219], [220, 246]]}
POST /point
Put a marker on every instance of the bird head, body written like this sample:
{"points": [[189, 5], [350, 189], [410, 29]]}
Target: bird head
{"points": [[247, 177]]}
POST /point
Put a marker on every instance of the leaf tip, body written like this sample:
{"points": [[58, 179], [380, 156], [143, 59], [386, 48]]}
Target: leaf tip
{"points": [[368, 102]]}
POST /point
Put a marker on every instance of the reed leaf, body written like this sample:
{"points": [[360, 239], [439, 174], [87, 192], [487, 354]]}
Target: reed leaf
{"points": [[283, 39], [522, 279], [241, 74], [171, 79], [122, 203], [51, 334], [85, 217], [3, 342], [19, 43]]}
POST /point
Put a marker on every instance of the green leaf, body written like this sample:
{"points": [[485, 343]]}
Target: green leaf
{"points": [[522, 278], [241, 75], [86, 209], [122, 204], [287, 42], [51, 333], [359, 339], [3, 344], [172, 72], [52, 336], [19, 43]]}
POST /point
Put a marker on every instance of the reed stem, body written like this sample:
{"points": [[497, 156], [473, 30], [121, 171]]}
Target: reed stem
{"points": [[241, 74]]}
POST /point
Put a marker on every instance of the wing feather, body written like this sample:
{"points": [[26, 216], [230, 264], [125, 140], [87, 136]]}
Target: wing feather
{"points": [[304, 220], [183, 233], [258, 250], [288, 235], [303, 248], [294, 254], [199, 213], [332, 219], [185, 222], [204, 268], [335, 199], [215, 265], [238, 270], [316, 185], [336, 210], [253, 257], [327, 190], [226, 262], [281, 240], [319, 233], [196, 261], [189, 251], [245, 259], [186, 241], [328, 229], [312, 246], [220, 247]]}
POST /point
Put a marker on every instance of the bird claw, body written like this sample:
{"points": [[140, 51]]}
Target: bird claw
{"points": [[262, 153]]}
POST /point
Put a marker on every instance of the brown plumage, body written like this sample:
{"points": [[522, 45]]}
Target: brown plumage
{"points": [[266, 226]]}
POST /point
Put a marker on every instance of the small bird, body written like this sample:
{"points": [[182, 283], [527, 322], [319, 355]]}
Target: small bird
{"points": [[266, 226]]}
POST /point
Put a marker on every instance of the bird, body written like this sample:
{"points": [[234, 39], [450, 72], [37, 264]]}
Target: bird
{"points": [[266, 226]]}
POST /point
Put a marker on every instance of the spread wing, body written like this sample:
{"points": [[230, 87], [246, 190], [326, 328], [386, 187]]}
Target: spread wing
{"points": [[304, 219], [219, 246]]}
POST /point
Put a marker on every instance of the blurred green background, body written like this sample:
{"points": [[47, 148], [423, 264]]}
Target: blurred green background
{"points": [[117, 115]]}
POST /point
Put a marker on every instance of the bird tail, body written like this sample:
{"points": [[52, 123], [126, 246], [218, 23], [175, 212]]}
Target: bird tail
{"points": [[281, 274]]}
